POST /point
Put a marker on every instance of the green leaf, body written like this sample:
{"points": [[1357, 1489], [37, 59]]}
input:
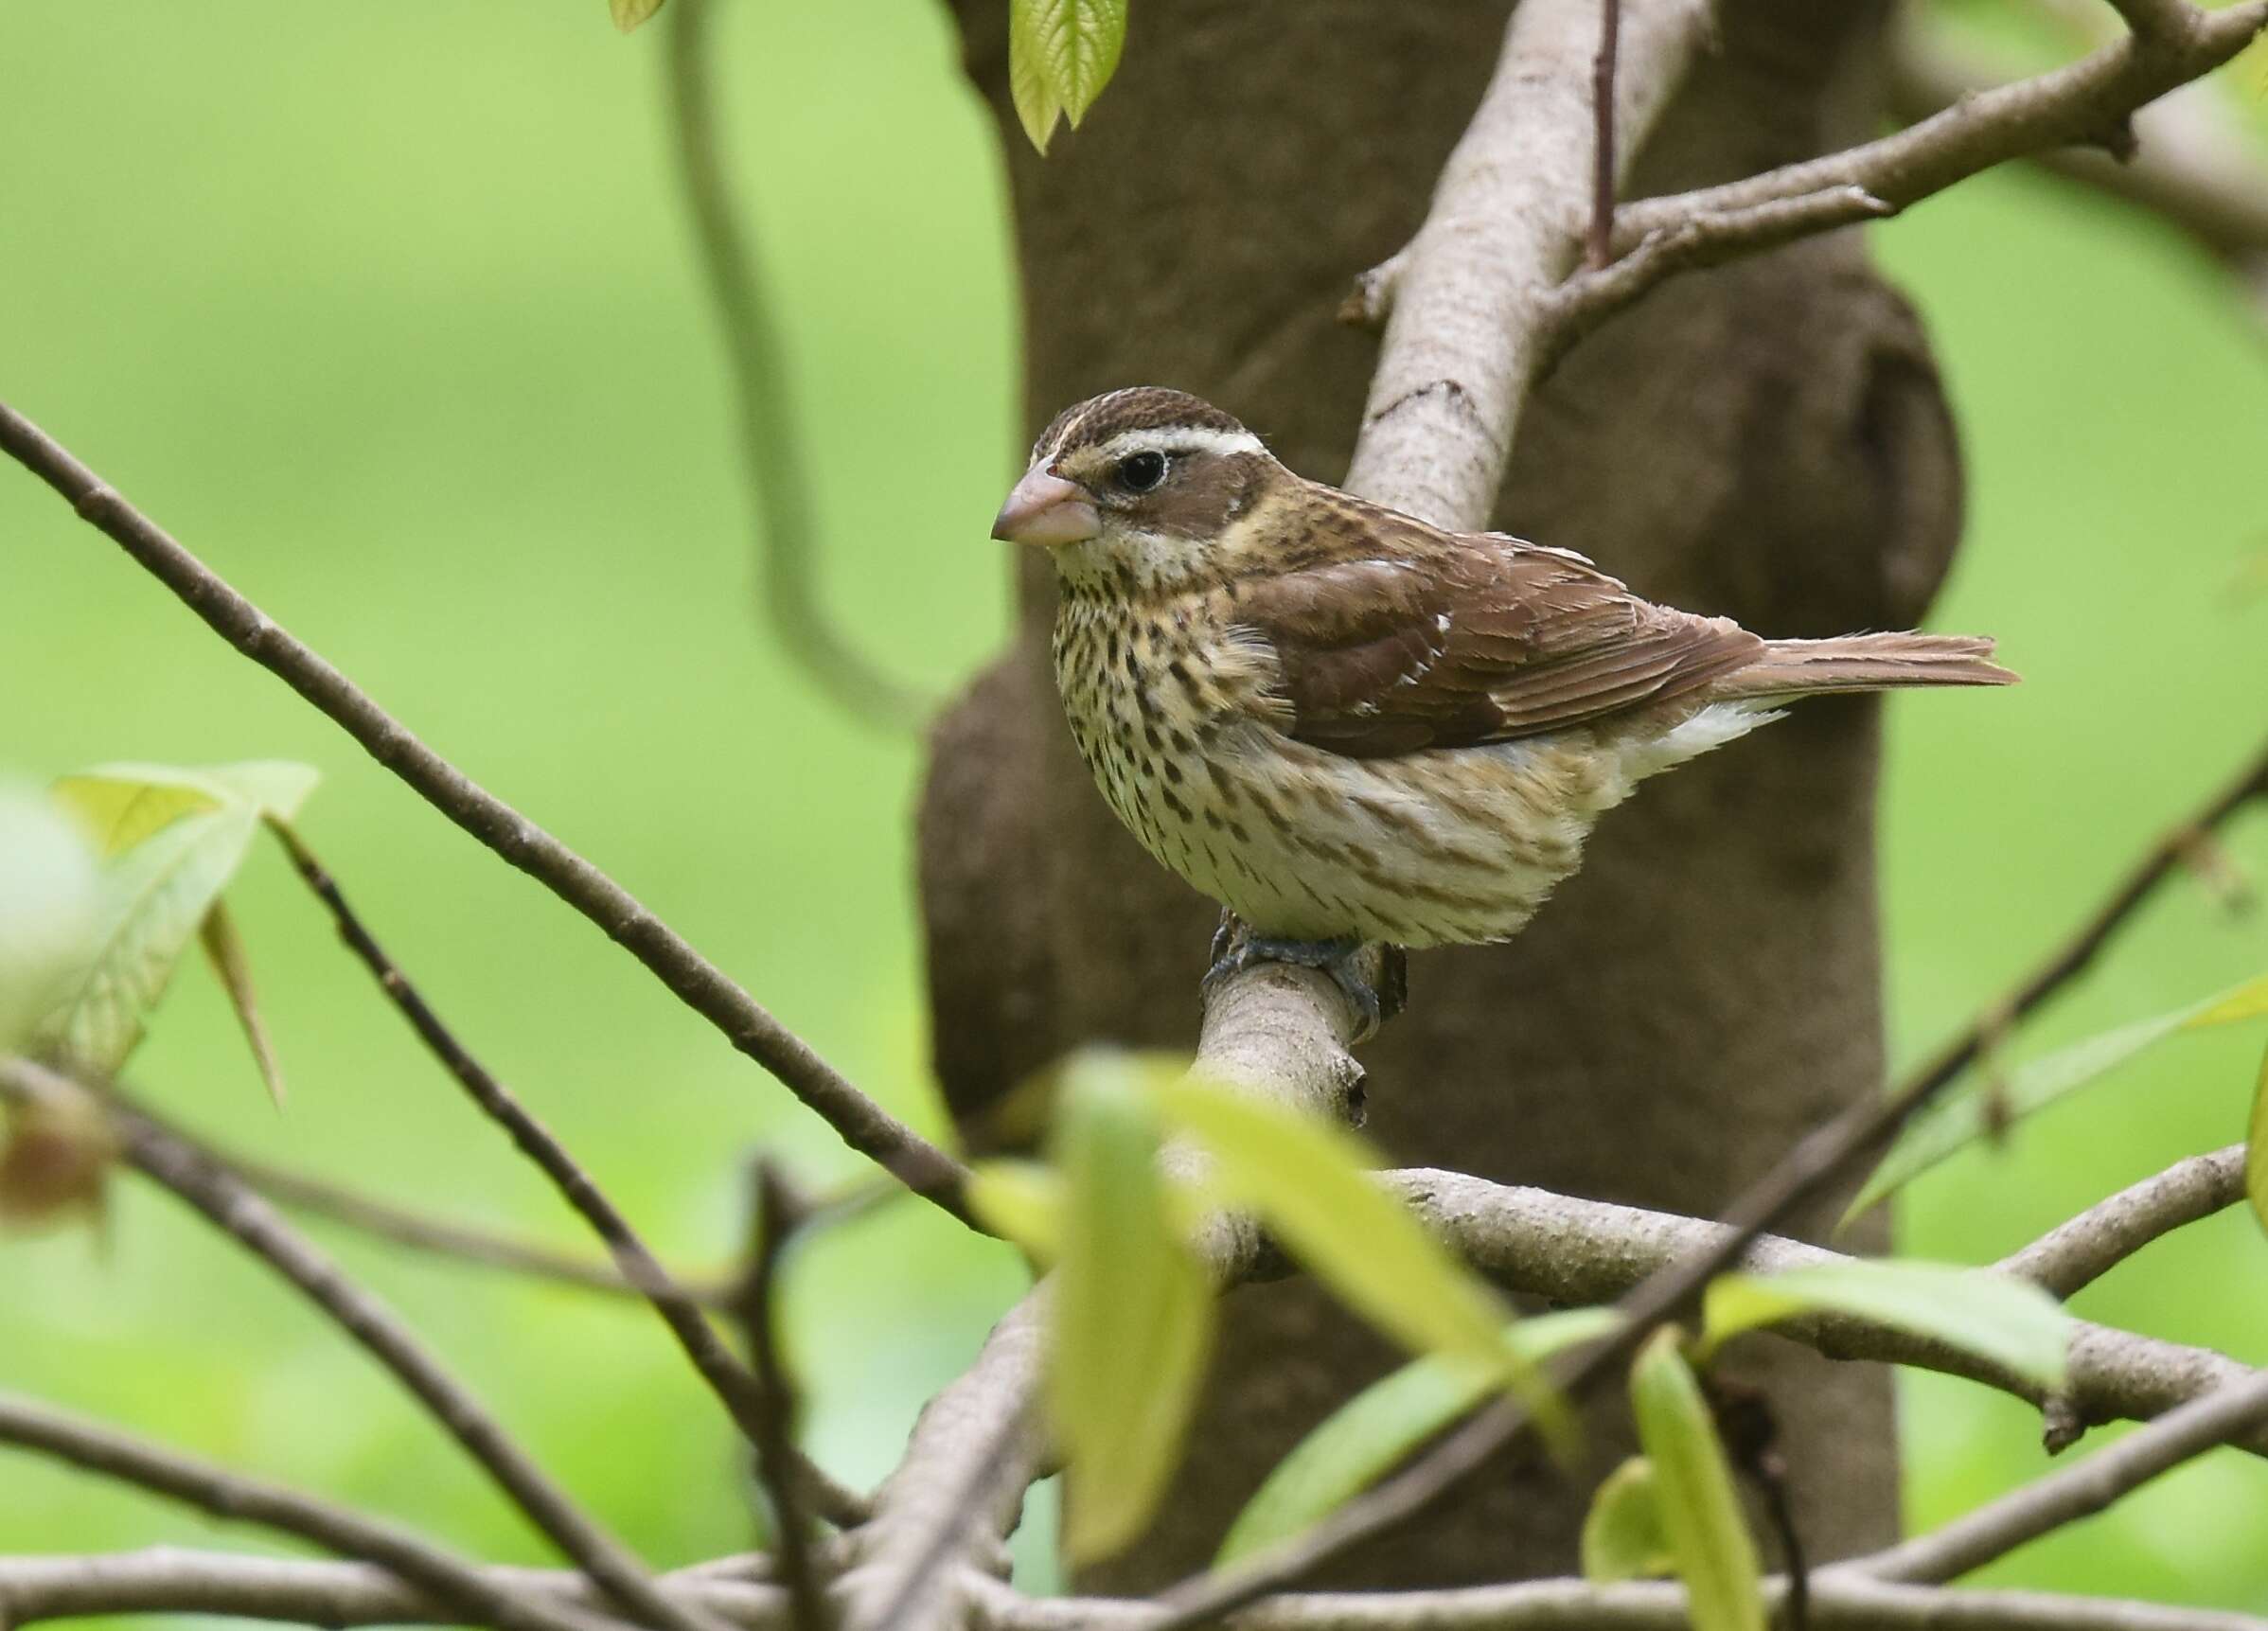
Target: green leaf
{"points": [[150, 902], [1968, 1115], [1133, 1314], [1037, 107], [1378, 1428], [2256, 1149], [1700, 1511], [1311, 1183], [170, 839], [225, 952], [1022, 1201], [49, 887], [1623, 1534], [630, 13], [1061, 53], [2012, 1322]]}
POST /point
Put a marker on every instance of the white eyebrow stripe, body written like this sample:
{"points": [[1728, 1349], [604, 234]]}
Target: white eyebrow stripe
{"points": [[1179, 439]]}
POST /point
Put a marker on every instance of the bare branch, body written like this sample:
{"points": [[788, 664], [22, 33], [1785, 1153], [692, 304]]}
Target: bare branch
{"points": [[166, 1580], [2087, 103], [771, 449], [734, 1388], [230, 1204], [2071, 957], [699, 984], [404, 1226], [975, 1450], [418, 1561], [2075, 1254], [2194, 164], [2072, 1493], [780, 1466]]}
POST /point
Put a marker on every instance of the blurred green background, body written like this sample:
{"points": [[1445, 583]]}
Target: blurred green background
{"points": [[388, 312]]}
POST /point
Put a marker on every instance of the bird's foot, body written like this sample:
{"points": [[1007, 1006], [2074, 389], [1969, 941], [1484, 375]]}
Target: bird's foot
{"points": [[1373, 976]]}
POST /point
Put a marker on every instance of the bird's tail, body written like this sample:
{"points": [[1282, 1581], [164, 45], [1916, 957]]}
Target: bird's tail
{"points": [[1862, 663]]}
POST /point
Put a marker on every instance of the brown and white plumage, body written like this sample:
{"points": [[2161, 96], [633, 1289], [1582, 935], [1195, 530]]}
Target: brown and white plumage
{"points": [[1343, 722]]}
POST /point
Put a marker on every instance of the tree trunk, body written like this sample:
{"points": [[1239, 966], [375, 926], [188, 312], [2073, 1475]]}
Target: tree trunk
{"points": [[1768, 440]]}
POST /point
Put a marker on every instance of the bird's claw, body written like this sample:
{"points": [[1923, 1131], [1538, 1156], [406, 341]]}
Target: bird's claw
{"points": [[1377, 987]]}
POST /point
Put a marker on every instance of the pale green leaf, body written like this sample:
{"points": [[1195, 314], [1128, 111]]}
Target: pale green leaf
{"points": [[1623, 1534], [1022, 1202], [1968, 1114], [2256, 1149], [1133, 1314], [1061, 53], [1029, 88], [225, 949], [124, 804], [1378, 1428], [2012, 1323], [49, 893], [1700, 1510], [1311, 1183], [150, 901], [630, 13]]}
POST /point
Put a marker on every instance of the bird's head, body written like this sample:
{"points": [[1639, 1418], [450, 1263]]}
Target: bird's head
{"points": [[1145, 482]]}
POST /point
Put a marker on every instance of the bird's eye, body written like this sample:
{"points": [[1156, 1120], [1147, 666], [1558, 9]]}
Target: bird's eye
{"points": [[1139, 472]]}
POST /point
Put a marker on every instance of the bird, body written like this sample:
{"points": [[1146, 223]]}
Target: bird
{"points": [[1347, 725]]}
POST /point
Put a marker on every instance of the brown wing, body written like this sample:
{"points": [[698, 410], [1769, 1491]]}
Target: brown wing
{"points": [[1436, 642]]}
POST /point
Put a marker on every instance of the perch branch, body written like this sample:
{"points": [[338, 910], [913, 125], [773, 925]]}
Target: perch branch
{"points": [[699, 984], [416, 1560], [771, 454], [734, 1388], [231, 1205]]}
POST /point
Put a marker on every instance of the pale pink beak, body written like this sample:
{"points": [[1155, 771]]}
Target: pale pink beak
{"points": [[1046, 510]]}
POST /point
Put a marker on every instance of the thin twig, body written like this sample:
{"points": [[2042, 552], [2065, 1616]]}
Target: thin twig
{"points": [[1817, 1160], [2086, 102], [232, 1206], [2075, 1491], [1599, 249], [735, 1388], [450, 1578], [439, 1237], [770, 450], [699, 984], [780, 1466], [2071, 957]]}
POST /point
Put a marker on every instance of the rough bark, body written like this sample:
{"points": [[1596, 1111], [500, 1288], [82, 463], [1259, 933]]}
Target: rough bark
{"points": [[1767, 440]]}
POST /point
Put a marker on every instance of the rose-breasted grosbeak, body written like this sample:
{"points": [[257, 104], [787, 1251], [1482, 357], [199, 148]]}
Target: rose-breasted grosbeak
{"points": [[1345, 724]]}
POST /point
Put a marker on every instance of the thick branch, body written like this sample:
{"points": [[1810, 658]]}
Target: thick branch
{"points": [[699, 984], [734, 1388], [230, 1205], [418, 1561], [1507, 221]]}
